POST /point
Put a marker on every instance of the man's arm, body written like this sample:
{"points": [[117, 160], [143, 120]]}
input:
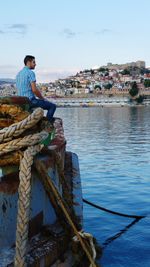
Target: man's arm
{"points": [[36, 91]]}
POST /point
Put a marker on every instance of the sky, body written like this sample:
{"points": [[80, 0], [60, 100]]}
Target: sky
{"points": [[67, 36]]}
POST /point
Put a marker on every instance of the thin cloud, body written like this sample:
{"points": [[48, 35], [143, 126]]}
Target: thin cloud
{"points": [[18, 28], [68, 33], [8, 71], [47, 75], [103, 32], [7, 66], [42, 74]]}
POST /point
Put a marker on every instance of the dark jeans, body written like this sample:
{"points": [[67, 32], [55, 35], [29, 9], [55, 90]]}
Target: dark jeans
{"points": [[50, 107]]}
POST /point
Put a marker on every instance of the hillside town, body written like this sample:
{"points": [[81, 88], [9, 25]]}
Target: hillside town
{"points": [[109, 79]]}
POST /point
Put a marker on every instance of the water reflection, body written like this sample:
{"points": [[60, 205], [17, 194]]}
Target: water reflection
{"points": [[113, 145]]}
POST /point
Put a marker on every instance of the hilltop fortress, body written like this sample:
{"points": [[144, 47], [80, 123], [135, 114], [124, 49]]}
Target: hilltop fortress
{"points": [[139, 64]]}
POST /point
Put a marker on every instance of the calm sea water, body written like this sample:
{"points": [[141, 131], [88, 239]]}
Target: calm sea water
{"points": [[113, 145]]}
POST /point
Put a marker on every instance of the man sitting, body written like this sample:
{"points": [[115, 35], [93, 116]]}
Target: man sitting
{"points": [[26, 86]]}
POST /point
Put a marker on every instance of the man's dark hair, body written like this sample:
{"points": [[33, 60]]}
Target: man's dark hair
{"points": [[28, 58]]}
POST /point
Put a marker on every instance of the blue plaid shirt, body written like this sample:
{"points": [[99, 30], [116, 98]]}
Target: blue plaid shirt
{"points": [[23, 82]]}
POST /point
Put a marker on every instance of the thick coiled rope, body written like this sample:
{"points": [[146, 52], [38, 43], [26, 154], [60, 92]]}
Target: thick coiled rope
{"points": [[19, 143], [16, 129], [32, 142], [24, 205], [34, 146]]}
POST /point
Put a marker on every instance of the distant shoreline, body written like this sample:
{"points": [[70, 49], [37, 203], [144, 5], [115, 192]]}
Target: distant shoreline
{"points": [[95, 102]]}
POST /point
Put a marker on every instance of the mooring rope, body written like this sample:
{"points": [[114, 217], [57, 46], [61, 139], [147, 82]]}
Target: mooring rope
{"points": [[113, 212], [41, 169], [90, 238], [33, 145], [23, 215], [16, 129]]}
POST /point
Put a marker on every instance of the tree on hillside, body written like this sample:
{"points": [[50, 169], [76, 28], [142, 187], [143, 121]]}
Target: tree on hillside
{"points": [[125, 72], [92, 71], [108, 86], [147, 83], [134, 89], [101, 69], [106, 73], [97, 87]]}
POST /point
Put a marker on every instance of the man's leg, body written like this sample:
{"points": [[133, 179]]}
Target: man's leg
{"points": [[50, 107], [51, 110]]}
